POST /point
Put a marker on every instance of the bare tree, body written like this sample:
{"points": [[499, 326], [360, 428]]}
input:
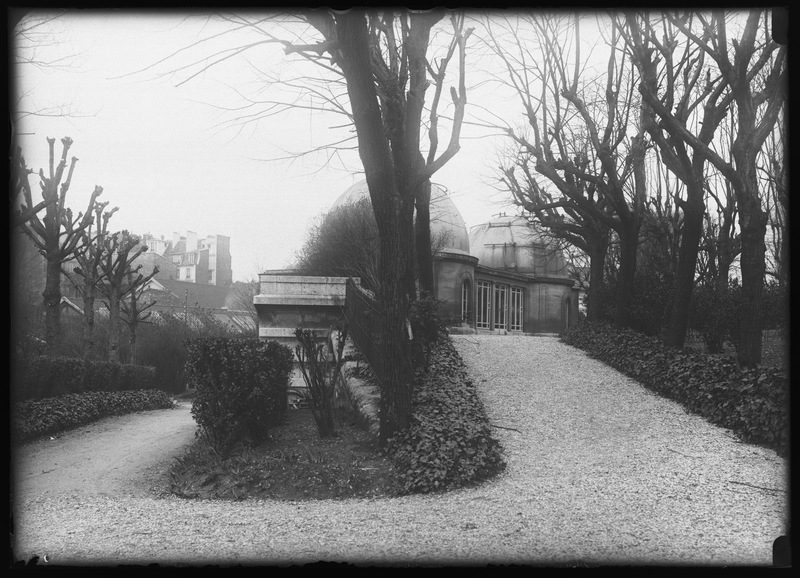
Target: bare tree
{"points": [[374, 69], [120, 280], [676, 77], [578, 140], [344, 244], [565, 219], [663, 225], [244, 294], [21, 187], [56, 235], [88, 257], [750, 76], [774, 175], [382, 58], [31, 34], [133, 311]]}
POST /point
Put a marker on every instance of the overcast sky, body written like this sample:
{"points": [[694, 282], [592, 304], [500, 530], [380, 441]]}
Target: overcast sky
{"points": [[163, 153]]}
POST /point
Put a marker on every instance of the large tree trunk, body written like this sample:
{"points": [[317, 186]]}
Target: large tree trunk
{"points": [[693, 212], [52, 304], [423, 239], [753, 223], [113, 325], [597, 258], [88, 320], [394, 218], [396, 392], [133, 342], [629, 242]]}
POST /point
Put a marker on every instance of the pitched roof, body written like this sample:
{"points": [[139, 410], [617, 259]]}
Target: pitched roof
{"points": [[179, 247], [199, 294]]}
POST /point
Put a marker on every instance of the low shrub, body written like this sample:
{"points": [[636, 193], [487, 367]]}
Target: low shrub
{"points": [[35, 418], [753, 403], [649, 305], [162, 343], [449, 443], [39, 377], [321, 366], [240, 388]]}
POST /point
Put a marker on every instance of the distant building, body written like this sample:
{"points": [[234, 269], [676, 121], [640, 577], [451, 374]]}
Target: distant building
{"points": [[205, 261]]}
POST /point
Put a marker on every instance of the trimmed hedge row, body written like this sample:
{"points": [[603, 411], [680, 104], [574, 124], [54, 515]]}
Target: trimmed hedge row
{"points": [[753, 403], [449, 443], [36, 418], [40, 377], [241, 387]]}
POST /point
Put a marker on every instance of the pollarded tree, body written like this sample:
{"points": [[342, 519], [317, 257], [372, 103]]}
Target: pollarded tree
{"points": [[565, 219], [121, 278], [577, 133], [676, 77], [750, 76], [88, 258], [20, 186], [133, 311], [56, 235]]}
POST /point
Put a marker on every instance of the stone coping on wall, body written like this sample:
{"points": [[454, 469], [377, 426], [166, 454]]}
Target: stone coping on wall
{"points": [[287, 278], [288, 332], [301, 300], [456, 255]]}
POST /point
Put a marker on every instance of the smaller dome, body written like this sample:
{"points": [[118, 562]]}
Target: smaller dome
{"points": [[448, 229], [511, 243]]}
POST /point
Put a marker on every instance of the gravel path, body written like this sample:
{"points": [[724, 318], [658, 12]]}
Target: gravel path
{"points": [[600, 472]]}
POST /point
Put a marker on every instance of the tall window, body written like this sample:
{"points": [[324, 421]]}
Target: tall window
{"points": [[465, 300], [500, 306], [515, 309], [484, 304]]}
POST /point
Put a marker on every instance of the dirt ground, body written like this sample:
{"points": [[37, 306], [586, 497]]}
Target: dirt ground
{"points": [[139, 454], [105, 457], [293, 464]]}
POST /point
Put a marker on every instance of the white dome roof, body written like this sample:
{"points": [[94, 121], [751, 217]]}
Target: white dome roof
{"points": [[513, 244], [448, 229]]}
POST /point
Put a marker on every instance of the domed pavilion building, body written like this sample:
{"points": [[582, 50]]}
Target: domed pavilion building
{"points": [[503, 276]]}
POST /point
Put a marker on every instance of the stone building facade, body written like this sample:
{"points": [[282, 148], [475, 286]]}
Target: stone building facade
{"points": [[502, 277], [189, 258]]}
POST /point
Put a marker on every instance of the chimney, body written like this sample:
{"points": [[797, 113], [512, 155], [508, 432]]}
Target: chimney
{"points": [[191, 241], [176, 238]]}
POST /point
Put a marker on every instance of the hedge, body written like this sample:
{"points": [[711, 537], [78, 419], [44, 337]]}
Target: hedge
{"points": [[40, 377], [753, 403], [449, 442], [36, 418], [241, 387]]}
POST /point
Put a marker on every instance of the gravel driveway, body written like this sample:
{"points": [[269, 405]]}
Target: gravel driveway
{"points": [[600, 471]]}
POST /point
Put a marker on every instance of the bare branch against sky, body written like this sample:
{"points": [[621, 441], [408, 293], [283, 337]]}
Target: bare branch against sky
{"points": [[202, 122]]}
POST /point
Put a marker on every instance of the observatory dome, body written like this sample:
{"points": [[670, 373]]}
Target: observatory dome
{"points": [[448, 229], [511, 243]]}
